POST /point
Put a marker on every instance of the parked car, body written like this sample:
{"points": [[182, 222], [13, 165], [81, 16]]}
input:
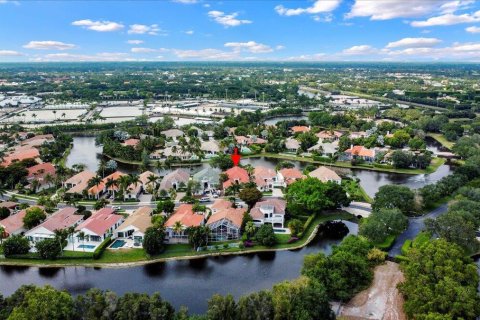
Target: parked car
{"points": [[116, 208], [205, 199]]}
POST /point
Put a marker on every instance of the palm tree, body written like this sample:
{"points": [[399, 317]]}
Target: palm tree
{"points": [[123, 182], [250, 229], [102, 166], [173, 193], [64, 115], [34, 115], [177, 228], [55, 114], [48, 179], [71, 201], [2, 233], [61, 235], [81, 237], [134, 179], [110, 184], [34, 185], [71, 233], [152, 180], [95, 181]]}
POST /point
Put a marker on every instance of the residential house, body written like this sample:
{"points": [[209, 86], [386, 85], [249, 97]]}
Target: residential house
{"points": [[147, 184], [271, 210], [63, 219], [183, 217], [292, 145], [131, 142], [265, 178], [44, 173], [325, 175], [79, 182], [13, 224], [235, 175], [156, 155], [100, 225], [98, 190], [325, 149], [173, 134], [299, 129], [330, 135], [357, 135], [288, 176], [225, 224], [178, 153], [246, 141], [360, 152], [10, 205], [136, 225], [175, 180], [211, 148], [219, 205], [38, 140], [208, 178], [20, 154]]}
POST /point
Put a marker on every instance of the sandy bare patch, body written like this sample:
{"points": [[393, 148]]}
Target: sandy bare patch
{"points": [[381, 301]]}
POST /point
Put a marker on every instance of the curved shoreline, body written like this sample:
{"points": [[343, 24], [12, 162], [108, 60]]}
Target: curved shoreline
{"points": [[157, 260]]}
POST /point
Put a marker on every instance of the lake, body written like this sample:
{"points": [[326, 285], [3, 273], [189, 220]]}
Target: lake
{"points": [[183, 283]]}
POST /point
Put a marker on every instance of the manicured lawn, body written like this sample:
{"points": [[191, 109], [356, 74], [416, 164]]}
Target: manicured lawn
{"points": [[436, 162], [180, 250], [355, 190], [441, 138]]}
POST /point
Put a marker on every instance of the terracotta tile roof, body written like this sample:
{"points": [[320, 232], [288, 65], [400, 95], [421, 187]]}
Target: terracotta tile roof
{"points": [[250, 140], [296, 129], [221, 204], [186, 216], [324, 174], [131, 142], [361, 151], [327, 134], [100, 221], [101, 186], [27, 153], [140, 219], [62, 219], [14, 222], [290, 175], [143, 177], [80, 180], [39, 171], [236, 174], [261, 174], [279, 206], [234, 215]]}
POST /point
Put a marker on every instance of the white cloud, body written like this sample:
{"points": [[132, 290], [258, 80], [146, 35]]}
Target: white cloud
{"points": [[250, 46], [360, 50], [206, 5], [49, 45], [448, 19], [384, 10], [153, 29], [319, 6], [309, 57], [100, 26], [473, 29], [414, 43], [227, 20], [10, 53], [452, 6], [279, 47], [142, 50], [135, 41], [103, 56], [206, 54], [189, 32], [323, 18]]}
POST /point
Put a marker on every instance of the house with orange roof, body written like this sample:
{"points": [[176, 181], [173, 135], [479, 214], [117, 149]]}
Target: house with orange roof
{"points": [[299, 129], [225, 224], [100, 225], [42, 173], [235, 175], [360, 152], [183, 218], [325, 175], [264, 178], [288, 176], [271, 211], [249, 140], [62, 219], [329, 135], [220, 204], [13, 224], [19, 155], [38, 140], [97, 191], [131, 142], [79, 182]]}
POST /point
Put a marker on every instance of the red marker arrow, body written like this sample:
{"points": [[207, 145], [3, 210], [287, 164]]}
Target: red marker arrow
{"points": [[235, 157]]}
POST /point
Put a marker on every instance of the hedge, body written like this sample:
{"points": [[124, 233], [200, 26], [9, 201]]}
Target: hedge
{"points": [[307, 225], [406, 246], [97, 254], [387, 244]]}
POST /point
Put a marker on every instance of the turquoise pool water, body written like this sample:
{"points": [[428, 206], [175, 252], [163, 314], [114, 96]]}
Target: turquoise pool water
{"points": [[86, 246], [280, 230], [117, 244]]}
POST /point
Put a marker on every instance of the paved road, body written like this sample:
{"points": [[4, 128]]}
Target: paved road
{"points": [[414, 227]]}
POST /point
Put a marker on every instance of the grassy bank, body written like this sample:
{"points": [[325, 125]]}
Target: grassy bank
{"points": [[442, 140], [176, 251]]}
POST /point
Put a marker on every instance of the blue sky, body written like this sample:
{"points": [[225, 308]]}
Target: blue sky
{"points": [[322, 30]]}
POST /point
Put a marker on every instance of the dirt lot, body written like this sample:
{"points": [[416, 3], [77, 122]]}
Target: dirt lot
{"points": [[381, 301]]}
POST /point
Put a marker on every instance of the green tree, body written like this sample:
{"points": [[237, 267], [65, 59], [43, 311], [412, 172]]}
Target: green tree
{"points": [[42, 303], [250, 196], [311, 196], [295, 226], [223, 161], [153, 240], [198, 236], [222, 308], [33, 217], [166, 206], [141, 306], [4, 213], [15, 244], [394, 196], [265, 235], [256, 306], [440, 280], [96, 305], [48, 249], [383, 223]]}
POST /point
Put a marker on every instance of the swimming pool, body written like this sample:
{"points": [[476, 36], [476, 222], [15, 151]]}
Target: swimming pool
{"points": [[117, 244], [86, 246]]}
